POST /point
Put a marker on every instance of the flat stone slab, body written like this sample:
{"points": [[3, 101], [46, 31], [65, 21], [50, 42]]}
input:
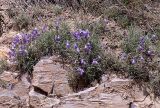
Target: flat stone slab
{"points": [[50, 77]]}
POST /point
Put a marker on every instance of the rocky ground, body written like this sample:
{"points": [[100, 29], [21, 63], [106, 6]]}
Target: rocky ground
{"points": [[49, 86]]}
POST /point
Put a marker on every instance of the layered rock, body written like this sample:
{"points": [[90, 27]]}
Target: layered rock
{"points": [[50, 89], [15, 93], [9, 99], [50, 77], [38, 100]]}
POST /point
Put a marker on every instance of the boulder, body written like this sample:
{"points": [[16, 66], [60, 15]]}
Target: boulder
{"points": [[49, 76]]}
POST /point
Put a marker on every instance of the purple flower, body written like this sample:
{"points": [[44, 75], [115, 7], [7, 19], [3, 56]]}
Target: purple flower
{"points": [[154, 38], [39, 18], [22, 50], [16, 40], [77, 35], [13, 46], [106, 21], [88, 47], [26, 38], [67, 44], [75, 46], [57, 23], [123, 56], [78, 50], [84, 33], [149, 53], [94, 62], [141, 58], [44, 28], [57, 38], [142, 41], [140, 48], [12, 54], [133, 61], [34, 33], [80, 70], [82, 61]]}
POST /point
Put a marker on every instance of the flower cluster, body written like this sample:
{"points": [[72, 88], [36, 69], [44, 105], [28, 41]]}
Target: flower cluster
{"points": [[78, 48], [85, 49], [79, 43], [144, 50], [80, 34], [21, 42]]}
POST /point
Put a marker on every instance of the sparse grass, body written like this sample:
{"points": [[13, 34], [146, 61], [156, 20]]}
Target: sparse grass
{"points": [[131, 41], [57, 9], [112, 12], [98, 26], [3, 66], [37, 12], [12, 12], [124, 21], [22, 21]]}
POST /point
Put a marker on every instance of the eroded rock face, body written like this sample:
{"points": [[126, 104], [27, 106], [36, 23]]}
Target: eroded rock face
{"points": [[104, 95], [50, 89], [9, 99], [8, 76], [14, 93], [50, 77], [38, 100], [14, 97]]}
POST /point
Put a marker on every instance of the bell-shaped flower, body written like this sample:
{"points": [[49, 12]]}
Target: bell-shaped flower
{"points": [[149, 53], [88, 47], [154, 38], [140, 48], [94, 62], [67, 44], [44, 28], [16, 40], [77, 35], [35, 33], [82, 61], [13, 46], [12, 54], [123, 56], [141, 58], [84, 33], [22, 50], [76, 47], [80, 70], [57, 38], [133, 61]]}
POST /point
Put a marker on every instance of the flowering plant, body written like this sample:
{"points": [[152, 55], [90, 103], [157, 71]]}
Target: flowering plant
{"points": [[79, 48]]}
